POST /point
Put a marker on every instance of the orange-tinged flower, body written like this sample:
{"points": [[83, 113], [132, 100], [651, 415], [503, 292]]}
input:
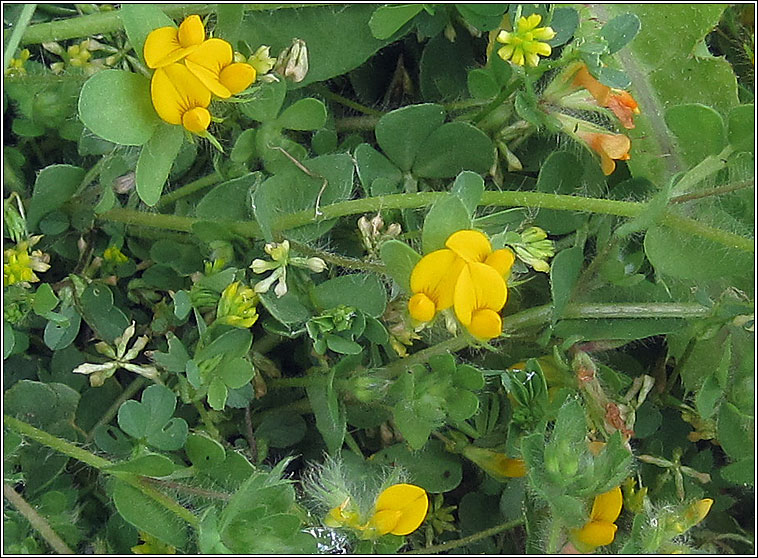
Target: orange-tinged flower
{"points": [[621, 102], [611, 148], [600, 530], [167, 45], [180, 98], [212, 63]]}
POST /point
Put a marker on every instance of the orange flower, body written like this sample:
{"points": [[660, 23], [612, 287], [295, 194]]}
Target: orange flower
{"points": [[611, 148], [619, 101]]}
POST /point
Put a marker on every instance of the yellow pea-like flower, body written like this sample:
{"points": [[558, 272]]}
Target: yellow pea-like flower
{"points": [[480, 293], [166, 45], [212, 63], [600, 530], [180, 98], [399, 509], [433, 283]]}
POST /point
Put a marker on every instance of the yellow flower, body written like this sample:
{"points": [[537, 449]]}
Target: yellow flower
{"points": [[113, 254], [497, 465], [212, 63], [167, 45], [236, 307], [19, 265], [523, 44], [16, 65], [466, 275], [399, 509], [600, 530], [180, 98]]}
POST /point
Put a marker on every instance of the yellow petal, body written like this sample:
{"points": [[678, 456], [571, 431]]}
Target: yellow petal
{"points": [[505, 52], [409, 499], [237, 77], [385, 521], [597, 533], [485, 324], [543, 49], [191, 31], [479, 287], [472, 246], [503, 36], [607, 506], [543, 33], [435, 275], [162, 47], [502, 260], [529, 23], [421, 307], [196, 120], [207, 62], [518, 57], [174, 91], [532, 59]]}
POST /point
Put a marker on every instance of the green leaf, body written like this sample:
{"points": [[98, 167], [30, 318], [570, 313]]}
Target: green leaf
{"points": [[564, 272], [139, 20], [148, 516], [44, 300], [288, 309], [305, 114], [8, 339], [482, 84], [445, 217], [733, 433], [217, 394], [341, 345], [292, 190], [155, 161], [399, 259], [244, 146], [232, 344], [564, 22], [329, 413], [360, 290], [266, 102], [620, 31], [54, 186], [58, 336], [433, 469], [741, 473], [561, 173], [387, 20], [112, 440], [204, 452], [708, 396], [150, 465], [228, 21], [454, 147], [230, 200], [741, 126], [116, 106], [133, 418], [613, 78], [281, 429], [414, 428], [99, 312], [401, 132], [372, 165], [469, 187], [462, 405], [236, 372], [699, 131]]}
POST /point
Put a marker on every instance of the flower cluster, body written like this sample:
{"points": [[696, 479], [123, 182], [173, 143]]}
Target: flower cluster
{"points": [[189, 70], [19, 264], [237, 306], [466, 275], [399, 510], [524, 44], [280, 259], [16, 67]]}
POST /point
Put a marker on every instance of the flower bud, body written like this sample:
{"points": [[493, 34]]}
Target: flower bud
{"points": [[316, 265], [292, 63], [261, 60]]}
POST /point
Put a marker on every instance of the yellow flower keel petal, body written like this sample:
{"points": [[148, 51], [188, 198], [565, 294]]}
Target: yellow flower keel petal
{"points": [[485, 324], [237, 77], [409, 500], [421, 307], [597, 533]]}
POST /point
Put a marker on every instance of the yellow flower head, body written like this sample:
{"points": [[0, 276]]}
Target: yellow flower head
{"points": [[113, 254], [600, 530], [524, 44], [466, 275], [19, 264], [180, 98], [212, 63], [399, 509], [236, 307], [167, 45]]}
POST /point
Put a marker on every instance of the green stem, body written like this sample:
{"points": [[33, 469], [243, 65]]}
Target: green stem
{"points": [[38, 522], [107, 22], [80, 454], [554, 536], [330, 95], [189, 189], [708, 166], [17, 32], [11, 179], [422, 199], [726, 189], [90, 176], [356, 123], [112, 411], [450, 545], [336, 259]]}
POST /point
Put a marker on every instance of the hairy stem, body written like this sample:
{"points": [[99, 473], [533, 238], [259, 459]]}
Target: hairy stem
{"points": [[190, 188], [38, 522], [450, 545]]}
